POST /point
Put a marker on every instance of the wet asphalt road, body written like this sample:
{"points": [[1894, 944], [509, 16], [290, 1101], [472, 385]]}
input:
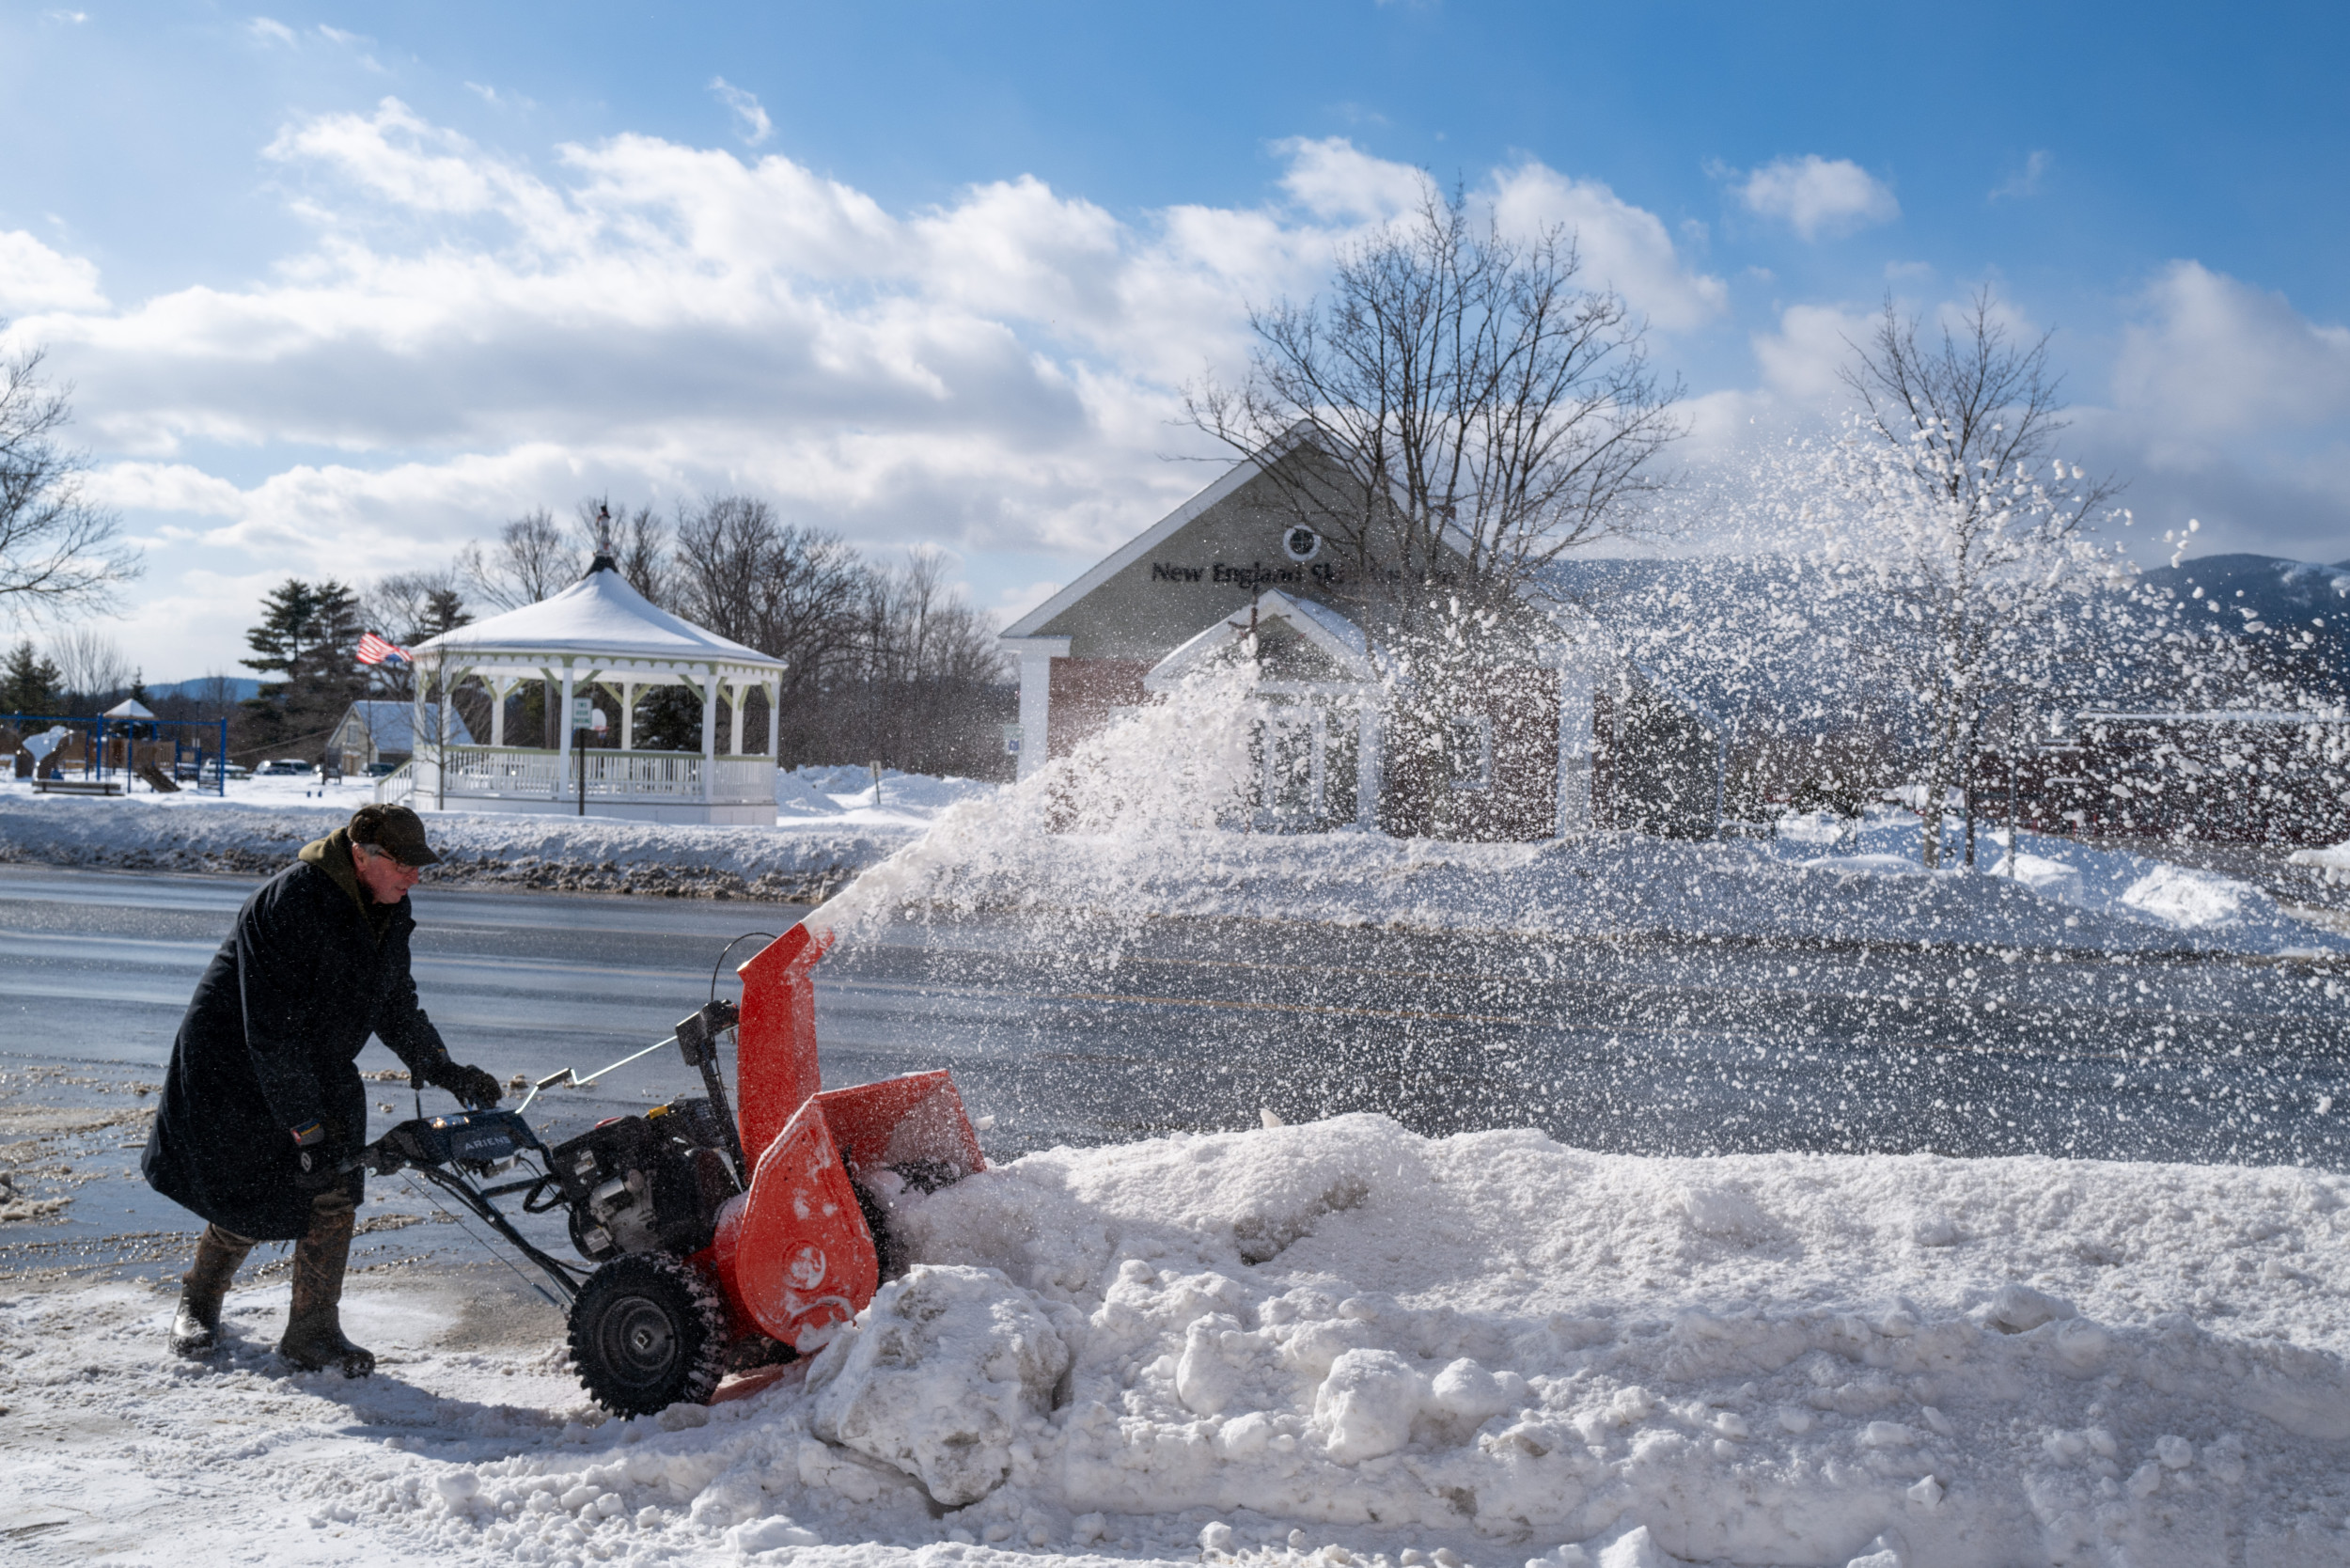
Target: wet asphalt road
{"points": [[1087, 1034]]}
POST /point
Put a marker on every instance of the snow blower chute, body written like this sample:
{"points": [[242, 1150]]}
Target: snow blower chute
{"points": [[722, 1239]]}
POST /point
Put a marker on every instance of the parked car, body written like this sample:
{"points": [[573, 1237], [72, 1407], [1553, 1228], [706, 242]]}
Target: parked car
{"points": [[287, 767], [381, 770]]}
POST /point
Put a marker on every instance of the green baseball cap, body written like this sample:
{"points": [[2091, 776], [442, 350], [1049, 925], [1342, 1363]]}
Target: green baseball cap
{"points": [[393, 830]]}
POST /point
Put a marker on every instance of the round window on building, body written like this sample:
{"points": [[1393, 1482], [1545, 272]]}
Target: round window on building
{"points": [[1301, 543]]}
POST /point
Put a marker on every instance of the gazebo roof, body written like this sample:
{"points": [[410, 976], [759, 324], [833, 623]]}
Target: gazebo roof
{"points": [[599, 617]]}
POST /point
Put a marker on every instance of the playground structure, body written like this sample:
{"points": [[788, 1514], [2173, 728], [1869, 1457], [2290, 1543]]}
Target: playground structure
{"points": [[103, 750]]}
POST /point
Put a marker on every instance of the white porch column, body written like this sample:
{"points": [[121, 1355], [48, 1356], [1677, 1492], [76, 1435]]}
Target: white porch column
{"points": [[1577, 685], [500, 688], [774, 730], [563, 736], [627, 715], [709, 736], [1035, 696], [1366, 769], [734, 746]]}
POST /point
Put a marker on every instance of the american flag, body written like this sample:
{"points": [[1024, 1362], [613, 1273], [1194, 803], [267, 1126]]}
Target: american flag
{"points": [[375, 650]]}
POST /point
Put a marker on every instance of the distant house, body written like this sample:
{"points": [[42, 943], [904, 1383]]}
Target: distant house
{"points": [[372, 733]]}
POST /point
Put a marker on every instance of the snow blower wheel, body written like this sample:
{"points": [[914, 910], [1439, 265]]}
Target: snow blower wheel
{"points": [[648, 1331]]}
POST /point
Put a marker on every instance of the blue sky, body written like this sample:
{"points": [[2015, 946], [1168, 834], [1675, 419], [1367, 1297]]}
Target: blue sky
{"points": [[341, 288]]}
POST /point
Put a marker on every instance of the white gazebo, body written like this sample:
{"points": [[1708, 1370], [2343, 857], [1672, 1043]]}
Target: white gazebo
{"points": [[598, 634]]}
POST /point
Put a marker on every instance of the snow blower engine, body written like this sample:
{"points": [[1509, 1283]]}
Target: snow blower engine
{"points": [[721, 1239]]}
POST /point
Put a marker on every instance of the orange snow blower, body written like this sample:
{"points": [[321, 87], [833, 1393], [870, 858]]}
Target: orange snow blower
{"points": [[719, 1242]]}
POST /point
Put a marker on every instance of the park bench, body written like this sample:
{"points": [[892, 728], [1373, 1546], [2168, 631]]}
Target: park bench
{"points": [[76, 787]]}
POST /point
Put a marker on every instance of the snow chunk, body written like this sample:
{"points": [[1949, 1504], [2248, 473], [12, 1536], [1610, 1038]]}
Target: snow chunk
{"points": [[938, 1377], [1366, 1404]]}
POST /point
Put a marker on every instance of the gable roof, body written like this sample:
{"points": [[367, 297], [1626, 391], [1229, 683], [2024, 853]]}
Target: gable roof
{"points": [[393, 725], [1328, 633], [1227, 485]]}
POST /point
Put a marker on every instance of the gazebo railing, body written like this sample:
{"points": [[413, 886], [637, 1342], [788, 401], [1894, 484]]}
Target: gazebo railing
{"points": [[514, 773]]}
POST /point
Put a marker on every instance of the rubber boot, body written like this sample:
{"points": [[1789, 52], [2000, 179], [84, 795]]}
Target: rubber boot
{"points": [[314, 1331], [195, 1326]]}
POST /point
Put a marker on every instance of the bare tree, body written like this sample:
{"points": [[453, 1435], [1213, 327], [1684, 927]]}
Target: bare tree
{"points": [[533, 560], [58, 550], [90, 666], [1474, 412], [1953, 501], [787, 591], [914, 628]]}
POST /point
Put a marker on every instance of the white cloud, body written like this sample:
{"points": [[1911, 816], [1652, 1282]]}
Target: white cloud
{"points": [[2210, 358], [1813, 342], [751, 124], [2026, 181], [468, 334], [1819, 196], [1018, 600], [1334, 178], [270, 30], [1623, 247], [33, 277]]}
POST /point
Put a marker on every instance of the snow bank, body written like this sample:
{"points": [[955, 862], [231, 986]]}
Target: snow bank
{"points": [[2114, 883], [805, 861], [1346, 1340], [1138, 822], [2334, 860], [846, 795], [827, 831]]}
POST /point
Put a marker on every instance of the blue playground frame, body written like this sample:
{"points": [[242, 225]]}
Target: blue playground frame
{"points": [[94, 752]]}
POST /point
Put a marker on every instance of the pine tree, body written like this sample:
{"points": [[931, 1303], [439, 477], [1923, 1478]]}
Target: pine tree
{"points": [[28, 682], [307, 639]]}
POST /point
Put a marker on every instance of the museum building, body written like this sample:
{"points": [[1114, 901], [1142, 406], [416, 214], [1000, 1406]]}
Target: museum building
{"points": [[1562, 734]]}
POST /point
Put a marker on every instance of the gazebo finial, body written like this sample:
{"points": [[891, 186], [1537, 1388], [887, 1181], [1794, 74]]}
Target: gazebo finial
{"points": [[604, 562]]}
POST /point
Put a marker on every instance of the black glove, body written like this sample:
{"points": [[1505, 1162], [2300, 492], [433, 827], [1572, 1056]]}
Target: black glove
{"points": [[471, 1085]]}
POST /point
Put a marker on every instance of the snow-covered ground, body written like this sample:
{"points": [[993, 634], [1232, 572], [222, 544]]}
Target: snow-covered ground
{"points": [[1329, 1344]]}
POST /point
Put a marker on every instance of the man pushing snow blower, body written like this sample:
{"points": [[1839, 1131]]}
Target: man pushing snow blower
{"points": [[264, 1110]]}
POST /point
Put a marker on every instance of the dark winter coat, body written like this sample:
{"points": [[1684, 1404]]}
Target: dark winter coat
{"points": [[268, 1042]]}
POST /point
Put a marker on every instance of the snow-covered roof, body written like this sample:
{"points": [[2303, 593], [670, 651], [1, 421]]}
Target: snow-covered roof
{"points": [[1336, 637], [393, 725], [599, 617], [130, 708]]}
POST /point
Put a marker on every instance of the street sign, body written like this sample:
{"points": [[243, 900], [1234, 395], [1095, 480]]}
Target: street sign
{"points": [[1012, 740], [583, 712]]}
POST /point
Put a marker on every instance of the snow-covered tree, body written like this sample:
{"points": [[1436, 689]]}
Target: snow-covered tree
{"points": [[1948, 498], [1455, 413]]}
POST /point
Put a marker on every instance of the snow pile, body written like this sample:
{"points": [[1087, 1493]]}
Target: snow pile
{"points": [[1345, 1340], [846, 795], [2105, 882], [2334, 860]]}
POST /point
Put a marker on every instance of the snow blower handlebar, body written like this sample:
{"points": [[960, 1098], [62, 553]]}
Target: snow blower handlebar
{"points": [[696, 1040]]}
